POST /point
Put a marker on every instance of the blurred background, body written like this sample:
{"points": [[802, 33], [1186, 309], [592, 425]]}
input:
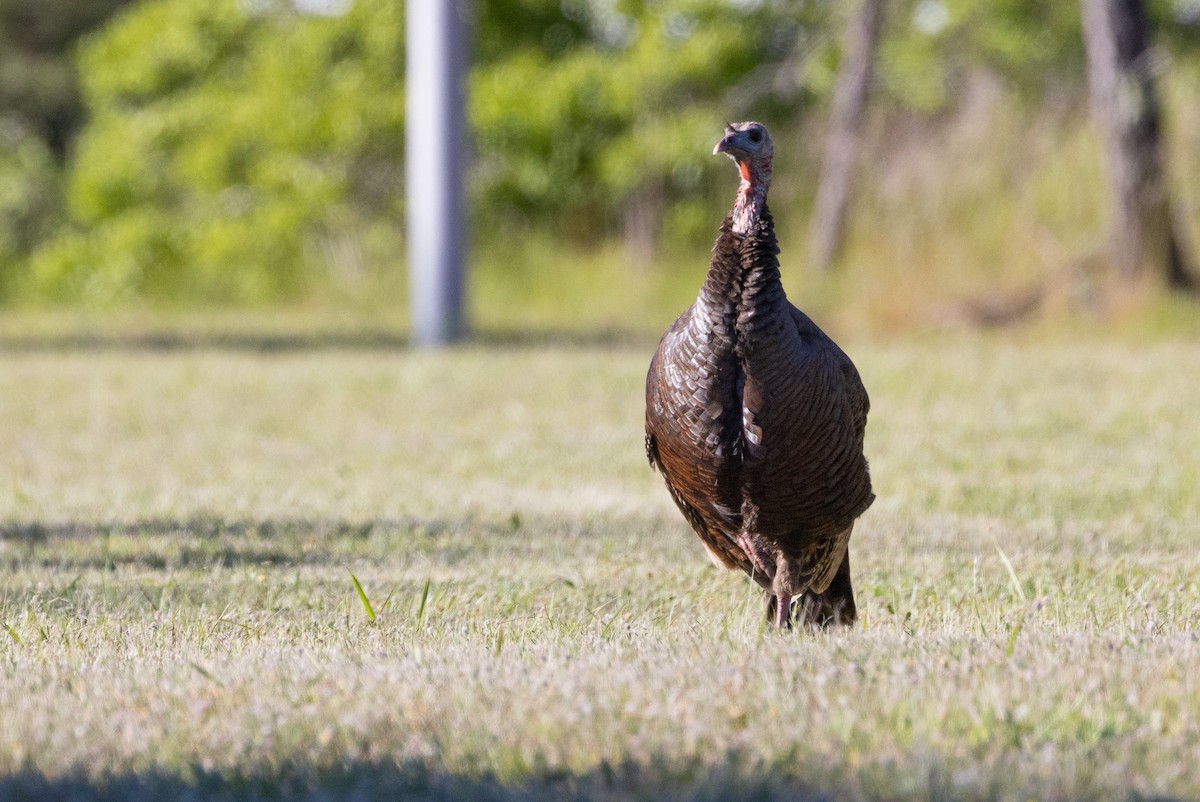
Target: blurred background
{"points": [[938, 162]]}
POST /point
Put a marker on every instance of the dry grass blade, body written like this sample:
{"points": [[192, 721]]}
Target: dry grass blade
{"points": [[1012, 574]]}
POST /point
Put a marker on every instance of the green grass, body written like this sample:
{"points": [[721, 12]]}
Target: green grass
{"points": [[180, 521]]}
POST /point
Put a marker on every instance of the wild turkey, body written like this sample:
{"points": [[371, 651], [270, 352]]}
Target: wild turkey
{"points": [[755, 417]]}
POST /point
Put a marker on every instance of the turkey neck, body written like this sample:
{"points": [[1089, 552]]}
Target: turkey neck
{"points": [[743, 285], [752, 194], [761, 294]]}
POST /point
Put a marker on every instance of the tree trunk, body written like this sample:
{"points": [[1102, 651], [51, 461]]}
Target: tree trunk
{"points": [[827, 227], [641, 222], [1145, 242]]}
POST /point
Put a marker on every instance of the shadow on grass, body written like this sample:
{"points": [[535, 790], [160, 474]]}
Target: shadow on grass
{"points": [[366, 339], [208, 541], [208, 527], [182, 340], [414, 780]]}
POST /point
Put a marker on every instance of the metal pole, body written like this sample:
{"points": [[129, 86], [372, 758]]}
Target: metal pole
{"points": [[435, 135]]}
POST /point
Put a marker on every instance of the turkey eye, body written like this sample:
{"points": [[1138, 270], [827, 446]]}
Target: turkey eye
{"points": [[756, 135]]}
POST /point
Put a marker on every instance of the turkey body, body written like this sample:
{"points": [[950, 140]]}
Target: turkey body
{"points": [[756, 419]]}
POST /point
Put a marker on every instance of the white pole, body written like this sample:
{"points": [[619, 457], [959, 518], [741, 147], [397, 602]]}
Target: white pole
{"points": [[435, 136]]}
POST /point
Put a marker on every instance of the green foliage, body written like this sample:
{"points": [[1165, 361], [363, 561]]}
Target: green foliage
{"points": [[252, 152], [29, 196], [234, 151], [238, 152], [933, 44], [627, 103], [40, 110], [38, 80]]}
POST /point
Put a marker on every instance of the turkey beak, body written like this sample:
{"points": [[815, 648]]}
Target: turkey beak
{"points": [[727, 143]]}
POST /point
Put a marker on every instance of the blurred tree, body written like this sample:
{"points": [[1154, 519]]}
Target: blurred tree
{"points": [[841, 144], [1125, 103], [618, 129], [931, 48], [40, 112], [234, 147], [240, 149], [29, 195], [38, 81]]}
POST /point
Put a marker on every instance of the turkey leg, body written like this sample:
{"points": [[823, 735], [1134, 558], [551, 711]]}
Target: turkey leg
{"points": [[762, 560]]}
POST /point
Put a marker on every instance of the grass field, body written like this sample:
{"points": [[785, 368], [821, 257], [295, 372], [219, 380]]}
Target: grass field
{"points": [[179, 522]]}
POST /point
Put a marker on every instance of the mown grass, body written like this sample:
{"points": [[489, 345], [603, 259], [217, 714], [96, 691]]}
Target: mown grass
{"points": [[180, 521]]}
